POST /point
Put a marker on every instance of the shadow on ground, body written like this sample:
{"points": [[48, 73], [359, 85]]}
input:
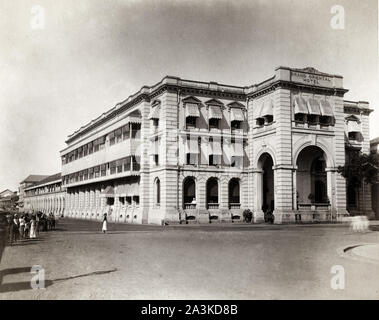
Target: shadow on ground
{"points": [[26, 285]]}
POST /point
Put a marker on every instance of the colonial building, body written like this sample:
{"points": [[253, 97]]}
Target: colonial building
{"points": [[47, 196], [27, 182], [185, 150], [8, 200]]}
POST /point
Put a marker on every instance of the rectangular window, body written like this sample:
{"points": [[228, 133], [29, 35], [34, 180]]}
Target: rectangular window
{"points": [[260, 122], [135, 163], [126, 132], [192, 158], [90, 148], [97, 171], [112, 167], [127, 162], [122, 200], [136, 200], [214, 160], [214, 123], [119, 166], [103, 170], [136, 130], [156, 159], [190, 122], [118, 135], [236, 124]]}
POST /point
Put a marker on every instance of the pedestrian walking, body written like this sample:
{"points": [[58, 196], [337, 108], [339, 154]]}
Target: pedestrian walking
{"points": [[27, 226], [104, 229], [16, 226], [37, 223], [22, 226], [33, 226]]}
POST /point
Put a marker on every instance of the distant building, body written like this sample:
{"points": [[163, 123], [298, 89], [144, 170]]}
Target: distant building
{"points": [[375, 187], [27, 182], [8, 200], [47, 196], [185, 150]]}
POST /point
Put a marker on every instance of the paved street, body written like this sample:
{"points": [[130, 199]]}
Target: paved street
{"points": [[192, 262]]}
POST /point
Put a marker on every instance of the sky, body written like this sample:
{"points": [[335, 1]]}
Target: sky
{"points": [[88, 55]]}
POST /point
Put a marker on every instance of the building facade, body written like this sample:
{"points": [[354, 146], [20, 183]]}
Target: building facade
{"points": [[8, 200], [184, 150], [27, 182], [48, 196]]}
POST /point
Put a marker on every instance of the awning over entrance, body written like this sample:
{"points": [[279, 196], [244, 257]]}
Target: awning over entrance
{"points": [[154, 113], [192, 110], [353, 126], [215, 112], [192, 145], [300, 105], [326, 108], [313, 107], [236, 114]]}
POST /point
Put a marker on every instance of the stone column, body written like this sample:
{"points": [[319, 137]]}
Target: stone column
{"points": [[257, 195]]}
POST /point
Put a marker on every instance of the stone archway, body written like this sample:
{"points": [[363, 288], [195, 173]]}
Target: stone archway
{"points": [[265, 184]]}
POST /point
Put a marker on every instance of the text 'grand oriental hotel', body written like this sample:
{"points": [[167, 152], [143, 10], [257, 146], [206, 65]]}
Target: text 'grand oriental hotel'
{"points": [[186, 150]]}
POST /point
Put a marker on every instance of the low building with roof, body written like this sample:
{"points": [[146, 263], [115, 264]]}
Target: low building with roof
{"points": [[46, 195]]}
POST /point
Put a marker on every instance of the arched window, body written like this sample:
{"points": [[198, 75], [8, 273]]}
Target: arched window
{"points": [[157, 191], [234, 194], [189, 193], [212, 193]]}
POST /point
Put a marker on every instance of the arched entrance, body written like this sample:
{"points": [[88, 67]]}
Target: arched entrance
{"points": [[265, 184], [212, 193], [311, 178], [234, 194], [189, 193]]}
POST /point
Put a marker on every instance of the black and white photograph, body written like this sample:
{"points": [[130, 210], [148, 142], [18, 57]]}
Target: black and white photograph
{"points": [[189, 151]]}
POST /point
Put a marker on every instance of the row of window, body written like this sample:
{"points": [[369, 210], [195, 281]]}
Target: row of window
{"points": [[314, 119], [128, 131], [212, 193], [43, 190], [191, 123], [130, 163]]}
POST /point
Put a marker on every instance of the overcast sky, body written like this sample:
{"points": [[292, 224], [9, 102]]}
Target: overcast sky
{"points": [[92, 54]]}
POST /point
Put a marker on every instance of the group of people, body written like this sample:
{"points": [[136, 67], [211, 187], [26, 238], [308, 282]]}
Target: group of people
{"points": [[28, 225]]}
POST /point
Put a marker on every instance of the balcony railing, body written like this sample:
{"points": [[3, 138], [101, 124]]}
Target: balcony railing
{"points": [[313, 206], [234, 206], [213, 206], [189, 206]]}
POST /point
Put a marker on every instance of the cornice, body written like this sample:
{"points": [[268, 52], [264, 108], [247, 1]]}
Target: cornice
{"points": [[297, 86]]}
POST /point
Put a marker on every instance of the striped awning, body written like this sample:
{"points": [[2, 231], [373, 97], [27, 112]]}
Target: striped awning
{"points": [[192, 145], [236, 114], [192, 110], [353, 126], [267, 109], [237, 148], [326, 108], [300, 105], [216, 147], [108, 192], [215, 112], [154, 147], [133, 119], [154, 113], [313, 107]]}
